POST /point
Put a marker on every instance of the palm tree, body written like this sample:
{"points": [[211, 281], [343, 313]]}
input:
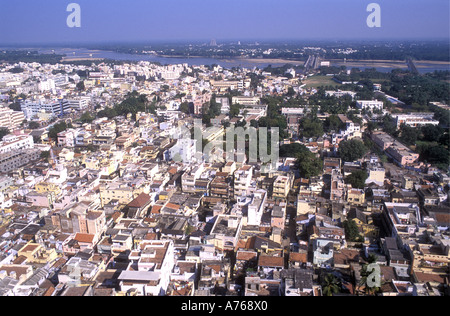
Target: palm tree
{"points": [[372, 258], [366, 275], [331, 285]]}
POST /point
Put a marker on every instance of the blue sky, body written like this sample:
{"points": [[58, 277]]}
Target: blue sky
{"points": [[44, 21]]}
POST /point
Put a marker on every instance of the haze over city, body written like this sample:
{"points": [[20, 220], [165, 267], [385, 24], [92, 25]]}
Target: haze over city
{"points": [[224, 153]]}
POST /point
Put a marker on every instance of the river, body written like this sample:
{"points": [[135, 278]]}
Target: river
{"points": [[73, 54], [382, 66]]}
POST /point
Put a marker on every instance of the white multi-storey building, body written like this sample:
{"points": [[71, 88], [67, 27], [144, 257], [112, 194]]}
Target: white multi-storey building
{"points": [[352, 130], [16, 143], [79, 103], [47, 86], [54, 107], [415, 119], [340, 93], [10, 161], [183, 151], [246, 100], [188, 179], [225, 102], [369, 105], [256, 207], [67, 138], [150, 269], [11, 119], [242, 180]]}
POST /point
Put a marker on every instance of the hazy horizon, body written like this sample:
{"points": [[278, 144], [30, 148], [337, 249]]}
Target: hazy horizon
{"points": [[219, 42]]}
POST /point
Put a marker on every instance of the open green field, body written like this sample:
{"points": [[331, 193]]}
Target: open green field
{"points": [[318, 81]]}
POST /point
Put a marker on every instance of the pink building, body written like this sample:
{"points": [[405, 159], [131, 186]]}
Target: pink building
{"points": [[278, 217], [39, 199]]}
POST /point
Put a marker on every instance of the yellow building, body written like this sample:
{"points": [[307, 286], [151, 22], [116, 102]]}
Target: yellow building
{"points": [[356, 196], [131, 157], [125, 141], [104, 164], [164, 196], [305, 206], [92, 163], [281, 186], [365, 224], [115, 191], [108, 166], [66, 155], [149, 152], [376, 175], [45, 187], [35, 253], [432, 259]]}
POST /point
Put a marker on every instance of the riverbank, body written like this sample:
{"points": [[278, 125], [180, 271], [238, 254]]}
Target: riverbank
{"points": [[234, 59], [82, 54], [75, 59]]}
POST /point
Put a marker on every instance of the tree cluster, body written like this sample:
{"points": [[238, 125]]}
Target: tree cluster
{"points": [[351, 150]]}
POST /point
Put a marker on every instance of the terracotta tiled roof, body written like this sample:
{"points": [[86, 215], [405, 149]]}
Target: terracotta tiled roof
{"points": [[156, 209], [268, 261], [141, 201], [86, 238], [172, 171], [428, 277], [298, 257], [173, 206], [246, 255]]}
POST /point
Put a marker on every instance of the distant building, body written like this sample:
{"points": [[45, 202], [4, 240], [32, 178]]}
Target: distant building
{"points": [[79, 103], [242, 180], [369, 105], [245, 100], [401, 154], [225, 105], [415, 119], [340, 93], [224, 86]]}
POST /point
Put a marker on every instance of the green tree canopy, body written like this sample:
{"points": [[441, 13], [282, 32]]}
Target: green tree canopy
{"points": [[351, 150], [432, 133], [292, 150], [86, 117], [15, 106], [409, 135], [185, 107], [436, 155], [333, 123], [352, 231], [34, 125], [57, 128], [81, 86], [389, 125], [357, 179], [311, 127], [308, 164], [330, 285], [108, 112]]}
